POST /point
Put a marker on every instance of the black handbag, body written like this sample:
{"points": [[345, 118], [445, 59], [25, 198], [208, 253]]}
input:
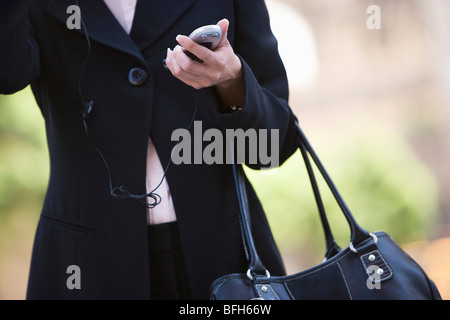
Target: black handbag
{"points": [[372, 267]]}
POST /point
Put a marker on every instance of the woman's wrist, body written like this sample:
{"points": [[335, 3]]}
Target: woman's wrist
{"points": [[232, 91]]}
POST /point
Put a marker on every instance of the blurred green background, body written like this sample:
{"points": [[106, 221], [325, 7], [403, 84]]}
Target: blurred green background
{"points": [[24, 171], [374, 104]]}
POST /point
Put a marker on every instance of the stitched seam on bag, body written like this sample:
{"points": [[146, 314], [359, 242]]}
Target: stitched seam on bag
{"points": [[289, 291], [223, 280], [243, 239], [314, 271], [219, 284], [227, 278], [321, 268], [345, 281], [276, 295]]}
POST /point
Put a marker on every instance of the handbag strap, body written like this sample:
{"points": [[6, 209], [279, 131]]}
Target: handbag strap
{"points": [[331, 246], [358, 234], [255, 264]]}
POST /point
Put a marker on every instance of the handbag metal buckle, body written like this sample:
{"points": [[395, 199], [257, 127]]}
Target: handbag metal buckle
{"points": [[375, 240], [249, 274]]}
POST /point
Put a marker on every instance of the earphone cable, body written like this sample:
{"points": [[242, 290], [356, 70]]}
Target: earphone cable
{"points": [[121, 192]]}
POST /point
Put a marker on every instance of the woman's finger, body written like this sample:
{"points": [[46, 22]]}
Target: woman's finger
{"points": [[199, 51], [187, 64], [178, 72], [224, 25]]}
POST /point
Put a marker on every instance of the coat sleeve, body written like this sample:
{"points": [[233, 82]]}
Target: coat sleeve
{"points": [[19, 52], [266, 85]]}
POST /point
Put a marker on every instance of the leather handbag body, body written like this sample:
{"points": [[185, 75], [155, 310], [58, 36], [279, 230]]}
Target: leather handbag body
{"points": [[372, 267]]}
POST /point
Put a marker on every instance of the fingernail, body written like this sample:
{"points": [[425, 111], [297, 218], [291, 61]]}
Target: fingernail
{"points": [[179, 38]]}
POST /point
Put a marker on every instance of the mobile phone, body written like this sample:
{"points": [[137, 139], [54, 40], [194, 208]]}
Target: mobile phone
{"points": [[208, 36]]}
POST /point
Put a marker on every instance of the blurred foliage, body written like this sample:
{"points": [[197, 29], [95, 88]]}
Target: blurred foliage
{"points": [[24, 165], [24, 171], [383, 182]]}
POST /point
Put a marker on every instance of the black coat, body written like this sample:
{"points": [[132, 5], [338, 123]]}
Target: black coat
{"points": [[81, 224]]}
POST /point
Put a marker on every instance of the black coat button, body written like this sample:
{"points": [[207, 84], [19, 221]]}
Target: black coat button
{"points": [[137, 76]]}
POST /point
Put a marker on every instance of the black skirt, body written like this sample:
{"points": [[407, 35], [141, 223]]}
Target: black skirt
{"points": [[168, 275]]}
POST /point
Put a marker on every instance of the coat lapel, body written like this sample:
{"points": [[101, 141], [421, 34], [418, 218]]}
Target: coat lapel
{"points": [[102, 26], [154, 17]]}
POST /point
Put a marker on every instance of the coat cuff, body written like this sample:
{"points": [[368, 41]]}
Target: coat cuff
{"points": [[251, 110]]}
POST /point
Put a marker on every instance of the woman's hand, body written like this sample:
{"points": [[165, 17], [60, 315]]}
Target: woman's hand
{"points": [[221, 68]]}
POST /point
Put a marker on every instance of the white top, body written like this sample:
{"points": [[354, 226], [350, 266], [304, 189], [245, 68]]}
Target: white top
{"points": [[124, 11]]}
